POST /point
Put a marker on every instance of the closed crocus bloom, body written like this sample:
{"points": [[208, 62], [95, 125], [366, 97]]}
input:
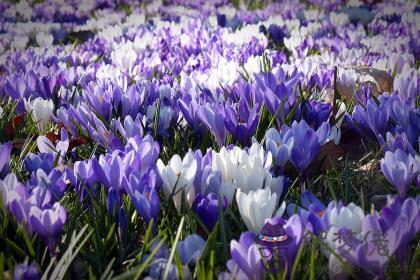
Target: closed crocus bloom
{"points": [[207, 209], [400, 168], [8, 187], [41, 111], [246, 260], [190, 249], [5, 150], [147, 204], [307, 143], [279, 149], [48, 222], [350, 216], [178, 177], [23, 271], [255, 207], [226, 162], [212, 115]]}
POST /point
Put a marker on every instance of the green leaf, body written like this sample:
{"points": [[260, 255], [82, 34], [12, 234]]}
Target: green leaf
{"points": [[171, 256], [68, 257]]}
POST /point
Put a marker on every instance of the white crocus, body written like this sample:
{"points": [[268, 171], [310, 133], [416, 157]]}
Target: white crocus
{"points": [[178, 177], [44, 39], [7, 188], [350, 217], [255, 207], [40, 111], [124, 57], [335, 134], [226, 162]]}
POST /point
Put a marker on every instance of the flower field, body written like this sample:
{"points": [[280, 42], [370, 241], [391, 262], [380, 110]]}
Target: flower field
{"points": [[209, 139]]}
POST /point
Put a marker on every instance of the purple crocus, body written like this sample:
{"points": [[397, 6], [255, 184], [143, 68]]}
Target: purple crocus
{"points": [[313, 112], [44, 161], [213, 117], [242, 122], [146, 203], [307, 143], [5, 150], [280, 149], [397, 141], [189, 110], [278, 93], [374, 118], [48, 222], [144, 196], [207, 209], [404, 215], [190, 249], [400, 168], [25, 271], [246, 262]]}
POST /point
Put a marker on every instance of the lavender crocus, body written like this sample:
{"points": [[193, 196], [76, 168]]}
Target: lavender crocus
{"points": [[5, 150], [400, 168], [246, 262], [313, 112], [212, 116], [48, 222], [281, 150], [190, 249]]}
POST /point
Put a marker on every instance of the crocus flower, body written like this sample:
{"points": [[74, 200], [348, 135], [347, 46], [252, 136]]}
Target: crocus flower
{"points": [[40, 111], [374, 118], [243, 123], [190, 249], [207, 208], [307, 143], [246, 260], [44, 161], [314, 112], [144, 195], [8, 188], [255, 207], [25, 271], [213, 117], [178, 177], [5, 150], [393, 214], [279, 149], [48, 223], [400, 168]]}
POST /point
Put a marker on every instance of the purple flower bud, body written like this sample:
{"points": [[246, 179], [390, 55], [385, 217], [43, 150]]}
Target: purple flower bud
{"points": [[5, 150], [23, 271], [207, 209]]}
